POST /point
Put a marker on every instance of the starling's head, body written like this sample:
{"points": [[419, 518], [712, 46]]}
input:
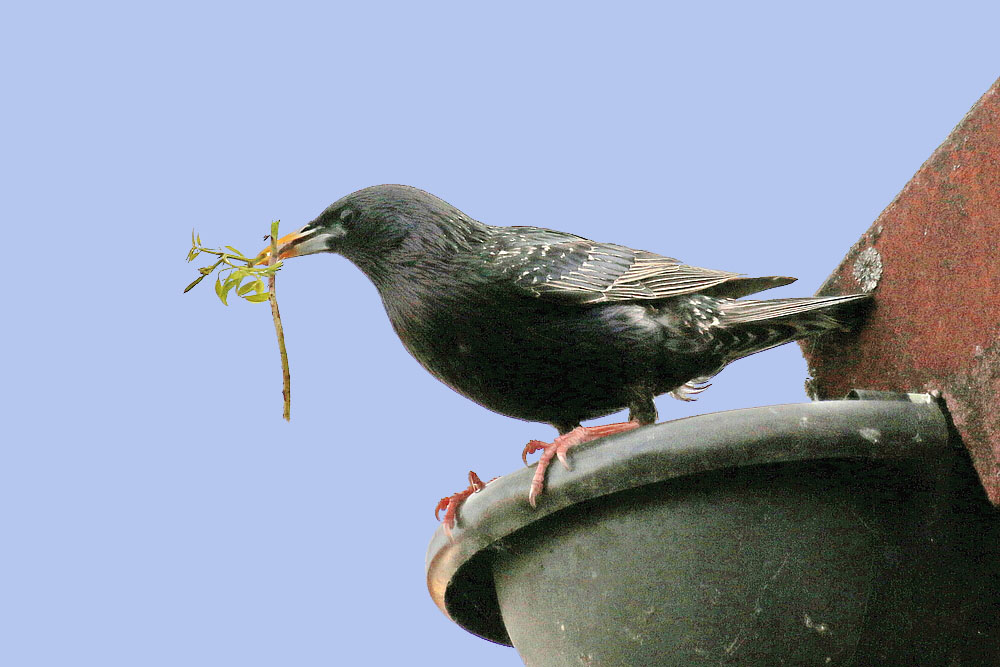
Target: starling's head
{"points": [[371, 224]]}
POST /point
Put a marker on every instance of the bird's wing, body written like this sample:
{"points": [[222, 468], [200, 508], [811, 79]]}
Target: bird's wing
{"points": [[562, 267]]}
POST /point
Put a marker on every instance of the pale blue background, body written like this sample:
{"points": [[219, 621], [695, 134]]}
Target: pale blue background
{"points": [[154, 507]]}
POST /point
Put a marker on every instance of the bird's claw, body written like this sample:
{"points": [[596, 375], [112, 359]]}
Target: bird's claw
{"points": [[558, 448], [532, 447], [450, 504]]}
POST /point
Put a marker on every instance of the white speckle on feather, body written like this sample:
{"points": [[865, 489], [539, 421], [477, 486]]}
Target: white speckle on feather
{"points": [[818, 627], [638, 316], [872, 435]]}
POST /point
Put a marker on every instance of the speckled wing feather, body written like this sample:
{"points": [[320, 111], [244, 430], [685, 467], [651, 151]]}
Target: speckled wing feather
{"points": [[564, 267]]}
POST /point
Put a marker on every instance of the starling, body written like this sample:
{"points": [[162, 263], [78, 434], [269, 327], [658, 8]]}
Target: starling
{"points": [[550, 327]]}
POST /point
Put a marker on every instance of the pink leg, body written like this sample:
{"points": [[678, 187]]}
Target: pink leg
{"points": [[559, 447], [451, 503]]}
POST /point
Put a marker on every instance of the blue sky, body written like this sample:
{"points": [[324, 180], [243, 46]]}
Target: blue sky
{"points": [[155, 509]]}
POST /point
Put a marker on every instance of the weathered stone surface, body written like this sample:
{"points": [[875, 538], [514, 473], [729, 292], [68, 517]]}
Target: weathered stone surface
{"points": [[932, 259]]}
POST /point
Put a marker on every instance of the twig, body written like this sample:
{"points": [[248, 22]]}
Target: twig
{"points": [[286, 377], [238, 268]]}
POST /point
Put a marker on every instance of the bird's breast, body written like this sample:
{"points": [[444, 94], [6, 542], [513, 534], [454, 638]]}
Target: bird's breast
{"points": [[527, 357]]}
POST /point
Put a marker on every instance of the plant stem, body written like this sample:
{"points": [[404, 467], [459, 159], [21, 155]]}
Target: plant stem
{"points": [[286, 377]]}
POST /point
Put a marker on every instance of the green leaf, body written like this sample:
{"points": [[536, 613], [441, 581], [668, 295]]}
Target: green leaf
{"points": [[197, 280], [218, 290], [257, 298], [197, 238], [192, 253], [243, 289], [235, 251]]}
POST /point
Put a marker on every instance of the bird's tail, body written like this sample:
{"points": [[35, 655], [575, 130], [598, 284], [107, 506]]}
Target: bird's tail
{"points": [[760, 325]]}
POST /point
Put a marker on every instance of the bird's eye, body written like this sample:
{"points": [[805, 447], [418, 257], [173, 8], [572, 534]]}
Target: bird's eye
{"points": [[347, 217]]}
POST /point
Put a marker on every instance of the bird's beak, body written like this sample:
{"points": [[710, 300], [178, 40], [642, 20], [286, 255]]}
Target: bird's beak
{"points": [[308, 240]]}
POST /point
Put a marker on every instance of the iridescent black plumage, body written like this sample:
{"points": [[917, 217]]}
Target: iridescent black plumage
{"points": [[547, 326]]}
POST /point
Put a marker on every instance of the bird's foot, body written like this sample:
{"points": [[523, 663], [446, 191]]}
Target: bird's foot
{"points": [[687, 391], [451, 503], [559, 447]]}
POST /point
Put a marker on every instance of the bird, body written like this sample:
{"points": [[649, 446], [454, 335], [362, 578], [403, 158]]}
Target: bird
{"points": [[547, 326]]}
